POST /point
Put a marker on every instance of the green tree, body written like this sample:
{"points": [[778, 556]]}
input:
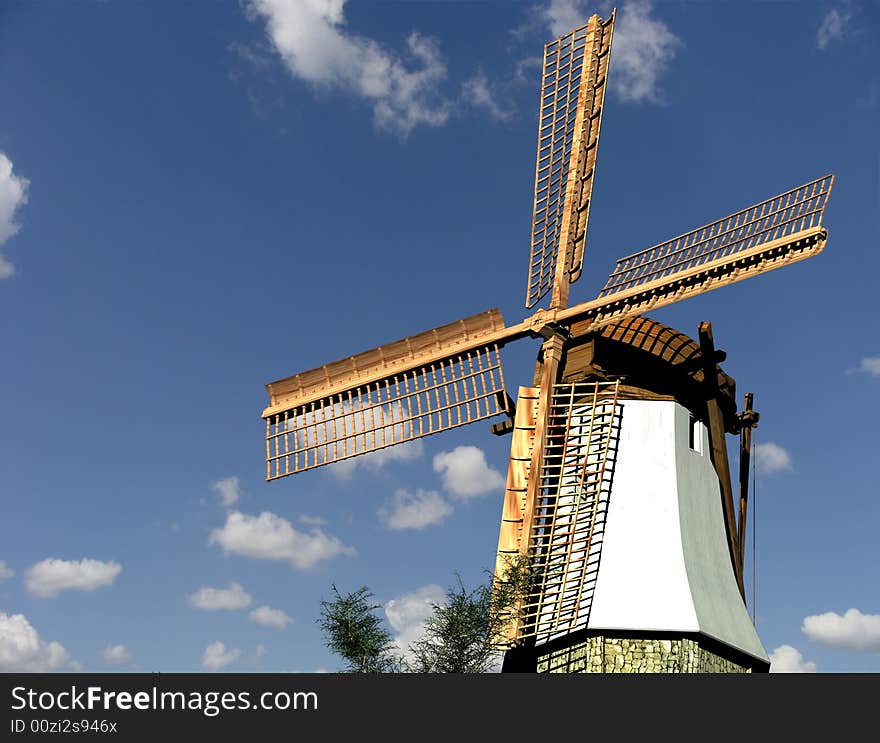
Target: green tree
{"points": [[354, 631], [464, 634]]}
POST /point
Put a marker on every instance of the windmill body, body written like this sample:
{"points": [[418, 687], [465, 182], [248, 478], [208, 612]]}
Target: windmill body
{"points": [[659, 591], [619, 490]]}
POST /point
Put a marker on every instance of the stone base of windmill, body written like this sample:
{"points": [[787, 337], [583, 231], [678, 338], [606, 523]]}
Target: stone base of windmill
{"points": [[610, 654]]}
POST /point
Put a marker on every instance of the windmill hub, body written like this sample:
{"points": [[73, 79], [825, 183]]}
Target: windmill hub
{"points": [[653, 362]]}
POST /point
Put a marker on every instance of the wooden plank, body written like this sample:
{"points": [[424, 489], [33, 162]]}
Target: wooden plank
{"points": [[369, 417], [584, 148], [749, 419], [384, 361], [718, 448], [568, 132], [550, 358], [511, 530]]}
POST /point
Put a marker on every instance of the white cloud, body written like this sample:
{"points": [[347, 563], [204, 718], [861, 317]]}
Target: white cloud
{"points": [[642, 50], [869, 365], [22, 650], [228, 490], [408, 613], [643, 45], [833, 27], [852, 631], [311, 38], [786, 659], [117, 655], [270, 617], [414, 510], [561, 16], [6, 572], [479, 93], [407, 451], [772, 458], [271, 537], [49, 577], [348, 421], [217, 655], [219, 599], [466, 473], [312, 520], [13, 194]]}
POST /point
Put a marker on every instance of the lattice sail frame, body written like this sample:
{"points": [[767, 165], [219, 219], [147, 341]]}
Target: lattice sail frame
{"points": [[564, 541], [414, 403], [388, 395], [783, 216], [573, 83]]}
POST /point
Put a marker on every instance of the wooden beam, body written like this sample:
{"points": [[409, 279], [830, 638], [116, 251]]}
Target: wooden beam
{"points": [[551, 356], [748, 420], [718, 448]]}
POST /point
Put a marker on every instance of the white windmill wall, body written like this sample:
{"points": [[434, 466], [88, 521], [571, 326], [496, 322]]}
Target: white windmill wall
{"points": [[665, 565]]}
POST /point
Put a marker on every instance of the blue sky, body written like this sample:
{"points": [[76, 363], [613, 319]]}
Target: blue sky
{"points": [[199, 198]]}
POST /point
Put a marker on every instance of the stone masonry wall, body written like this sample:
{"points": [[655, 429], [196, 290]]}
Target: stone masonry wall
{"points": [[604, 654]]}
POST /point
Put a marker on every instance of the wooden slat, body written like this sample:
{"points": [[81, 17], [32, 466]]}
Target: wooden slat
{"points": [[408, 405], [384, 361], [572, 93], [571, 497], [718, 448], [749, 419], [582, 170], [790, 213]]}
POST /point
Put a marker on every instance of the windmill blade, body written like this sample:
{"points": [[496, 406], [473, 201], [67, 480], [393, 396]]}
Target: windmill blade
{"points": [[772, 234], [427, 383], [565, 533], [573, 85]]}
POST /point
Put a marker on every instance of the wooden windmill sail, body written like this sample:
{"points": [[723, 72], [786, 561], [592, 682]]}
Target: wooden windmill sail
{"points": [[564, 432]]}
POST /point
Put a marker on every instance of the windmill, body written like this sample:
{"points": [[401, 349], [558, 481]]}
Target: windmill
{"points": [[618, 453]]}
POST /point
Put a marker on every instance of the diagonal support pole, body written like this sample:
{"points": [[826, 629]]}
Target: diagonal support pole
{"points": [[748, 420], [551, 356], [718, 448]]}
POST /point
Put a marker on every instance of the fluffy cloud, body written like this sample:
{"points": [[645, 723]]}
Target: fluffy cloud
{"points": [[642, 51], [217, 655], [49, 577], [414, 510], [311, 38], [22, 650], [480, 94], [218, 599], [834, 26], [13, 194], [786, 659], [869, 365], [466, 473], [852, 631], [270, 617], [271, 537], [561, 16], [228, 490], [772, 458], [408, 613], [117, 655], [376, 460], [6, 572], [348, 420]]}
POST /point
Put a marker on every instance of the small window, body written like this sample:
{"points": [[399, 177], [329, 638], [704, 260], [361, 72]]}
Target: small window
{"points": [[693, 434]]}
